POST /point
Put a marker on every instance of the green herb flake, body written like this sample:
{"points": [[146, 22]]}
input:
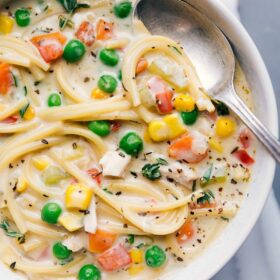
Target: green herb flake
{"points": [[4, 225], [151, 171], [25, 90], [15, 80], [130, 239], [72, 5], [64, 22], [206, 198], [176, 49], [141, 245], [225, 219], [107, 191], [23, 110], [162, 161]]}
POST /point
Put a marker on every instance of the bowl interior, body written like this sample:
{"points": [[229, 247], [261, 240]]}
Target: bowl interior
{"points": [[222, 249]]}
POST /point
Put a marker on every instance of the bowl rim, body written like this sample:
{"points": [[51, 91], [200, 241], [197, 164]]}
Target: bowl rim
{"points": [[233, 25]]}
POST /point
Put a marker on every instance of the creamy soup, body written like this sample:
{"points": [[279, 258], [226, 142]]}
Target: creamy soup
{"points": [[115, 163]]}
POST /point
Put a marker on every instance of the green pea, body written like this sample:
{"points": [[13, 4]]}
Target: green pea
{"points": [[54, 100], [155, 256], [107, 83], [109, 57], [122, 10], [189, 118], [131, 143], [22, 17], [101, 128], [74, 51], [89, 272], [60, 251], [51, 212]]}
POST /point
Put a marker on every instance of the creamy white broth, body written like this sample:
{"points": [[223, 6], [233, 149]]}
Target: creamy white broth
{"points": [[82, 77]]}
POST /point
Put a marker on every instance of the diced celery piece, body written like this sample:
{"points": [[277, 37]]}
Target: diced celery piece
{"points": [[170, 72], [53, 175], [216, 174]]}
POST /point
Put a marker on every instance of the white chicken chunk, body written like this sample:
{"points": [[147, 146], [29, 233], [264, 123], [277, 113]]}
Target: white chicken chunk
{"points": [[180, 173], [90, 220], [76, 242], [114, 163]]}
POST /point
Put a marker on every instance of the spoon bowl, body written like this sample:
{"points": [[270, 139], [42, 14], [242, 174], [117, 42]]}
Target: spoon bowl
{"points": [[209, 51]]}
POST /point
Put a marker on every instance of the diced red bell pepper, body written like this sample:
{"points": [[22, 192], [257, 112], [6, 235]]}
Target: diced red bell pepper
{"points": [[115, 126], [115, 258], [95, 174], [11, 119], [50, 45], [244, 157], [162, 93], [85, 33]]}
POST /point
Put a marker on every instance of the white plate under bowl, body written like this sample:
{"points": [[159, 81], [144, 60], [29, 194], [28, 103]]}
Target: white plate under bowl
{"points": [[224, 247]]}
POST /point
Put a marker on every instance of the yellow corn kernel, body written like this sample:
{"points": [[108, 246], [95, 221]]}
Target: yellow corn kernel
{"points": [[184, 103], [98, 94], [176, 127], [78, 196], [40, 162], [21, 185], [135, 269], [136, 255], [147, 137], [72, 222], [215, 145], [225, 126], [6, 24], [158, 131], [29, 114]]}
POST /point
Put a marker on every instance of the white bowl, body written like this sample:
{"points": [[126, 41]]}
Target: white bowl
{"points": [[223, 248]]}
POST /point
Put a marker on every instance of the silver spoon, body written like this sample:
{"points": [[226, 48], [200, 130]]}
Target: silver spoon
{"points": [[209, 51]]}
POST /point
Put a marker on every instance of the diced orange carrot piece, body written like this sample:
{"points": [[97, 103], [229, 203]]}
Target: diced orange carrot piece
{"points": [[104, 30], [6, 79], [142, 65], [85, 33], [50, 45], [101, 241], [186, 232]]}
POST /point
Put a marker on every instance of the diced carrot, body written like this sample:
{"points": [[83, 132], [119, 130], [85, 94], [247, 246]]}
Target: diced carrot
{"points": [[115, 126], [96, 174], [85, 33], [186, 232], [182, 149], [162, 93], [116, 258], [142, 65], [245, 138], [6, 79], [50, 45], [104, 30], [244, 157], [101, 241]]}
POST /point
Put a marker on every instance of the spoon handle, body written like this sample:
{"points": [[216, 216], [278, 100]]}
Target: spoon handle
{"points": [[262, 133]]}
